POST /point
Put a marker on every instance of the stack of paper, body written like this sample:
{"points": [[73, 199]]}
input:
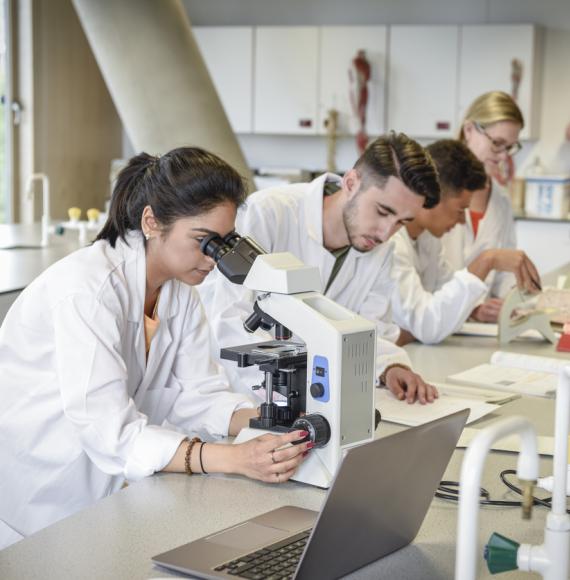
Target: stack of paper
{"points": [[516, 373]]}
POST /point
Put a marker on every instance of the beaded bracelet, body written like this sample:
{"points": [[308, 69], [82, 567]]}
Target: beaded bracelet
{"points": [[188, 457]]}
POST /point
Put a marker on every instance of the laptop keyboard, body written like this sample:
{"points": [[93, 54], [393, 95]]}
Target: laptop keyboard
{"points": [[276, 562]]}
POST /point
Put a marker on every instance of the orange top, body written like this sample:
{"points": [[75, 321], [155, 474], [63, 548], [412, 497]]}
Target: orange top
{"points": [[151, 325], [476, 217]]}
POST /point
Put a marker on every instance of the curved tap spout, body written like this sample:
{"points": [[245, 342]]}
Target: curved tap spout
{"points": [[45, 201], [471, 474]]}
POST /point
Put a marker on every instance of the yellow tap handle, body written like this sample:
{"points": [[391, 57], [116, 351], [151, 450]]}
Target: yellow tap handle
{"points": [[93, 214], [74, 214]]}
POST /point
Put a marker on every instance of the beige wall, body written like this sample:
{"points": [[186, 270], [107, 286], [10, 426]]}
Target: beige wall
{"points": [[70, 129]]}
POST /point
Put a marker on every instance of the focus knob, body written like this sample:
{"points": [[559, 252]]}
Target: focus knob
{"points": [[317, 426], [317, 390]]}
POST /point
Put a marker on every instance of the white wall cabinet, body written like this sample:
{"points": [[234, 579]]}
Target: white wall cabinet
{"points": [[338, 47], [286, 80], [228, 52], [487, 52], [422, 80]]}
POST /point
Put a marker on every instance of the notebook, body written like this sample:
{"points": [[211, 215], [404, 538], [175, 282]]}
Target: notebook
{"points": [[516, 373]]}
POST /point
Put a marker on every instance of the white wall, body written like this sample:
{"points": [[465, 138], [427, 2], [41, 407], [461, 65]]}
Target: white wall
{"points": [[310, 152]]}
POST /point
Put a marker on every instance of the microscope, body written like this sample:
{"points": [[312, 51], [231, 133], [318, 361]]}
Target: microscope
{"points": [[321, 364]]}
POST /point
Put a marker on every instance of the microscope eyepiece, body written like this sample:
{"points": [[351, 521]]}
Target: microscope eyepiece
{"points": [[233, 254], [214, 247]]}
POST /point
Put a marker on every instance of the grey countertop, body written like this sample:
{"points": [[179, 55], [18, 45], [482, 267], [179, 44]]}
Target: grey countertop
{"points": [[117, 536], [22, 258]]}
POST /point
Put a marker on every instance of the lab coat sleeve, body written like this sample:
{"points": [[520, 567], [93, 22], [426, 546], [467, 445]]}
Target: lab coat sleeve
{"points": [[261, 220], [376, 306], [230, 305], [504, 281], [431, 317], [93, 382], [206, 403]]}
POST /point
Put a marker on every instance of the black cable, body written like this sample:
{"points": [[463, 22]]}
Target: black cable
{"points": [[449, 490]]}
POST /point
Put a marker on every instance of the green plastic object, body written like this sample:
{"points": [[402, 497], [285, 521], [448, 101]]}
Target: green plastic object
{"points": [[501, 554]]}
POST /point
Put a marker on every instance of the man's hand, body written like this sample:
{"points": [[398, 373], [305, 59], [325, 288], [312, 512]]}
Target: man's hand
{"points": [[506, 260], [488, 311], [406, 384], [405, 338]]}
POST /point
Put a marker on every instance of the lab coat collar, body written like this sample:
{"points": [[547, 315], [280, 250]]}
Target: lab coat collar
{"points": [[132, 250], [314, 205]]}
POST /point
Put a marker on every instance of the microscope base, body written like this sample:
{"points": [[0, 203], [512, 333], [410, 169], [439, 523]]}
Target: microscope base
{"points": [[312, 471]]}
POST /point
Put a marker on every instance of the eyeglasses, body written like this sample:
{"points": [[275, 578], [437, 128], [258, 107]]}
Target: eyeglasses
{"points": [[498, 146]]}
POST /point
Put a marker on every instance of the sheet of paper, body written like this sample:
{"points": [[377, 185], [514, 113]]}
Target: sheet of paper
{"points": [[395, 411], [510, 443], [514, 380]]}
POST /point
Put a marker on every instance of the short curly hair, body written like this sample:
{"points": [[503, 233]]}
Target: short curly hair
{"points": [[457, 166]]}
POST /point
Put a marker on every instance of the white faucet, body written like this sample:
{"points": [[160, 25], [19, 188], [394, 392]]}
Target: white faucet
{"points": [[470, 483], [552, 558], [45, 201]]}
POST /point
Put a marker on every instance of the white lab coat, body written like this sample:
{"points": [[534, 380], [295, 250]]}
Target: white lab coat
{"points": [[430, 300], [289, 218], [496, 230], [81, 410]]}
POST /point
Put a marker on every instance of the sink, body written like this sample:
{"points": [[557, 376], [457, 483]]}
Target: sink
{"points": [[22, 247]]}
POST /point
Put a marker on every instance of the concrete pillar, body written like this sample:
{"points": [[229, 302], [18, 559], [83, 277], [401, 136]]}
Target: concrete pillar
{"points": [[157, 78]]}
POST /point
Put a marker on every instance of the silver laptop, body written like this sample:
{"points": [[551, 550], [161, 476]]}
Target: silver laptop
{"points": [[375, 506]]}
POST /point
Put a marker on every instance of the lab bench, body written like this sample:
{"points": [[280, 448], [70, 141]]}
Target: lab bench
{"points": [[22, 258], [117, 536]]}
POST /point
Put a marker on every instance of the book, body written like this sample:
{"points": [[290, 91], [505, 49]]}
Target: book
{"points": [[517, 373], [492, 329]]}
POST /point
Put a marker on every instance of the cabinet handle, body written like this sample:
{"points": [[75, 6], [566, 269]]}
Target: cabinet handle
{"points": [[305, 123], [442, 125]]}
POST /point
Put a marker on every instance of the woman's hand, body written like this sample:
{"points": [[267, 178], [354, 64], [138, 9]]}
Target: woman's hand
{"points": [[271, 458]]}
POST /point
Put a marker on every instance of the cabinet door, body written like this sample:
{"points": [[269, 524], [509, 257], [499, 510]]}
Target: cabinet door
{"points": [[339, 45], [286, 77], [228, 52], [422, 80], [487, 53]]}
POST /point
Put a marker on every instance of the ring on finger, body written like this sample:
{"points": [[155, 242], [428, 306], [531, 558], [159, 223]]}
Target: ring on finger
{"points": [[272, 456]]}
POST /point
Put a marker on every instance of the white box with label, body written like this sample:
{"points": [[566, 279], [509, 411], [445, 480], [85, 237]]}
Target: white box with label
{"points": [[547, 196]]}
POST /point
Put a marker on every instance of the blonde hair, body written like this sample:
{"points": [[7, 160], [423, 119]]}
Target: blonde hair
{"points": [[491, 108]]}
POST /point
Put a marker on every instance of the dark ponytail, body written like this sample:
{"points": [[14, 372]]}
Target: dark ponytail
{"points": [[184, 182]]}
